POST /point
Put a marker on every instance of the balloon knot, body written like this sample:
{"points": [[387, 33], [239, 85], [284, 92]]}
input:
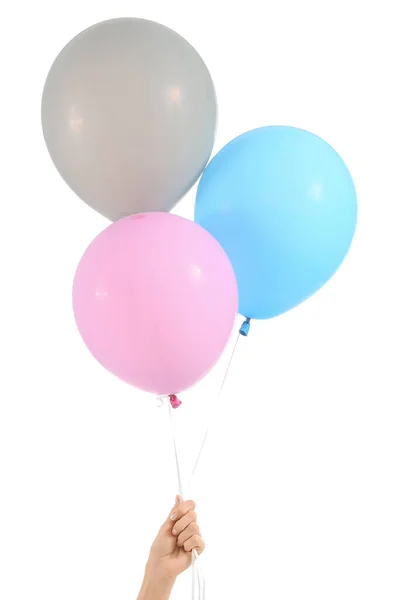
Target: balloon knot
{"points": [[245, 327], [174, 401]]}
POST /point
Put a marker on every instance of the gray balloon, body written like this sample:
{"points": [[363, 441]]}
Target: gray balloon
{"points": [[129, 116]]}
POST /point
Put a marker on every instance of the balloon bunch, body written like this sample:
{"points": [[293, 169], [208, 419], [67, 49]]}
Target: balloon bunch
{"points": [[129, 117]]}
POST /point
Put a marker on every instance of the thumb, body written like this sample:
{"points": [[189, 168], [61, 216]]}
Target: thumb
{"points": [[178, 500]]}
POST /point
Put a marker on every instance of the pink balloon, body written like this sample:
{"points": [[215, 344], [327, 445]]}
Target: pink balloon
{"points": [[155, 299]]}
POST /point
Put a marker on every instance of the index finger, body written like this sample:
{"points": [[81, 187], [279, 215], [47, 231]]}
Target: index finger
{"points": [[181, 510]]}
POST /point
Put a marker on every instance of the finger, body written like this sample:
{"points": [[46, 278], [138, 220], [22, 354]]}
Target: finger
{"points": [[177, 502], [189, 531], [168, 523], [184, 522], [181, 510], [195, 542]]}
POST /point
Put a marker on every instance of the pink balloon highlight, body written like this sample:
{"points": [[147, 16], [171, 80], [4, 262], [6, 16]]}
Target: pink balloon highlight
{"points": [[155, 299]]}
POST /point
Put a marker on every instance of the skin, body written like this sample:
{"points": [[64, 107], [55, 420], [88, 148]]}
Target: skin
{"points": [[171, 551]]}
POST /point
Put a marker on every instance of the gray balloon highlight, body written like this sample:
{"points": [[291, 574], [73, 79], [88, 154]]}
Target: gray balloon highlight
{"points": [[129, 116]]}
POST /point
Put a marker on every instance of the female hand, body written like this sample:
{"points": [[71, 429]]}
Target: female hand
{"points": [[171, 552]]}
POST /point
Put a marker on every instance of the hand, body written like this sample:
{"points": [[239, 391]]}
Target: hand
{"points": [[171, 552]]}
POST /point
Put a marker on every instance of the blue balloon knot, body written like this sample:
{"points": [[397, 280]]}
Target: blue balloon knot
{"points": [[245, 327]]}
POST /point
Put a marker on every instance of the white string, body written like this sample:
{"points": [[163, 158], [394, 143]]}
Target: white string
{"points": [[198, 579], [218, 397], [178, 470]]}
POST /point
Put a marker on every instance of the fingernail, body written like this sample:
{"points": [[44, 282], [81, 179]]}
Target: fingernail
{"points": [[173, 517], [174, 531]]}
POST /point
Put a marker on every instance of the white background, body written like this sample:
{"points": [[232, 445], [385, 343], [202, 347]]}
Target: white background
{"points": [[298, 490]]}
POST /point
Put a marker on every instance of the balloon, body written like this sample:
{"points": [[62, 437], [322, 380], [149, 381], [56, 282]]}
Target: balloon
{"points": [[283, 205], [155, 299], [129, 116]]}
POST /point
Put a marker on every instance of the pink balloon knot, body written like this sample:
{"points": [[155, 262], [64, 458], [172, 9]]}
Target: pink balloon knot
{"points": [[174, 400]]}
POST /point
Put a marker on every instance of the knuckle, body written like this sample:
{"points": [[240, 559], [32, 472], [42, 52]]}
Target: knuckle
{"points": [[189, 505], [194, 528], [178, 526], [180, 512]]}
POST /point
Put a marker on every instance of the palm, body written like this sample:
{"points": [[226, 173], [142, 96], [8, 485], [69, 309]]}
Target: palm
{"points": [[174, 558]]}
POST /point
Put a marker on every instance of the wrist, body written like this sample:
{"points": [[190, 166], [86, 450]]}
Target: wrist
{"points": [[157, 585]]}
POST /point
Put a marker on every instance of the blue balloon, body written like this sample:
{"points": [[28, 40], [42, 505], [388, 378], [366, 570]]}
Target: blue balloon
{"points": [[282, 203]]}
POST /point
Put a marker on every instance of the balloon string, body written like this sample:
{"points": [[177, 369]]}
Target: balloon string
{"points": [[218, 397], [178, 470], [198, 579]]}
